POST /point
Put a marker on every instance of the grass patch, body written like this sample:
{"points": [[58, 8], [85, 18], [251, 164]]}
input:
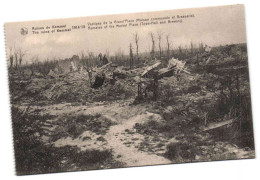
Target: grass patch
{"points": [[35, 157], [181, 150], [74, 126]]}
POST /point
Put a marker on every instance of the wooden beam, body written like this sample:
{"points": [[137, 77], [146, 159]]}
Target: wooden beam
{"points": [[216, 125]]}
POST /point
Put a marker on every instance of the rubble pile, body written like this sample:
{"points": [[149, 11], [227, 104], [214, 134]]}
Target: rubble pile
{"points": [[106, 83]]}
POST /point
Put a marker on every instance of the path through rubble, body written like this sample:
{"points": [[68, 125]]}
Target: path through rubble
{"points": [[129, 154], [125, 116]]}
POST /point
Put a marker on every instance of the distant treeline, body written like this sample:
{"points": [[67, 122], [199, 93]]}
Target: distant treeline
{"points": [[83, 61]]}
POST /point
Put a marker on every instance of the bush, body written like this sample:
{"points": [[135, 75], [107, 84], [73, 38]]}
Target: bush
{"points": [[151, 127], [75, 125], [34, 156], [183, 150]]}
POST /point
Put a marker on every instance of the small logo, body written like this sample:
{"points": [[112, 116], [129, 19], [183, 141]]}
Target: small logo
{"points": [[24, 31]]}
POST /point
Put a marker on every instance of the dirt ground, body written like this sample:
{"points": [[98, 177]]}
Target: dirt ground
{"points": [[63, 123], [128, 146]]}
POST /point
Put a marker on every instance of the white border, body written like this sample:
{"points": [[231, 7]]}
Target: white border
{"points": [[15, 10]]}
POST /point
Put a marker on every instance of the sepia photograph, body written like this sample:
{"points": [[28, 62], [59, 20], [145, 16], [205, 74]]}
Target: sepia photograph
{"points": [[128, 90]]}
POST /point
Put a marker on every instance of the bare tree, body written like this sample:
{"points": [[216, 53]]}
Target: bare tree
{"points": [[131, 56], [85, 63], [168, 46], [201, 47], [136, 36], [21, 55], [153, 45], [35, 61], [191, 48], [16, 59], [91, 60], [11, 57], [186, 51], [159, 34], [82, 58], [179, 51]]}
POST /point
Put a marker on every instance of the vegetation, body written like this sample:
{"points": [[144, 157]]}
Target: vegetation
{"points": [[216, 89], [33, 156]]}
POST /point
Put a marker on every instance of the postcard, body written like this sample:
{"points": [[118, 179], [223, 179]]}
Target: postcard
{"points": [[130, 90]]}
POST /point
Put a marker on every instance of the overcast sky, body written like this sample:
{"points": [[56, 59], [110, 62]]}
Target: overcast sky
{"points": [[213, 26]]}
